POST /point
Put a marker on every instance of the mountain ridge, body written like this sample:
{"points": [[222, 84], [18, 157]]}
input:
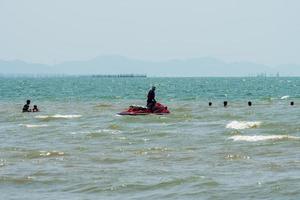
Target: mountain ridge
{"points": [[190, 67]]}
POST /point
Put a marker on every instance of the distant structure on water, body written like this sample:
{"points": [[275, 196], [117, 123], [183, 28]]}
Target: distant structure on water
{"points": [[120, 76]]}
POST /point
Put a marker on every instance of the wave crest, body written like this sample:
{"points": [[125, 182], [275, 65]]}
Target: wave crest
{"points": [[239, 125], [34, 125], [44, 154], [57, 116], [257, 138], [285, 97]]}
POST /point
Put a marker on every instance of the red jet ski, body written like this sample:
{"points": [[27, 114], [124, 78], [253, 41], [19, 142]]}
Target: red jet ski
{"points": [[159, 109]]}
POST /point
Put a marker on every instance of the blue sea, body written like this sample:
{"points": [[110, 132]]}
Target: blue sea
{"points": [[77, 147]]}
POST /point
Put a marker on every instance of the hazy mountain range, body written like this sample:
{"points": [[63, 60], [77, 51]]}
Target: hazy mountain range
{"points": [[122, 65]]}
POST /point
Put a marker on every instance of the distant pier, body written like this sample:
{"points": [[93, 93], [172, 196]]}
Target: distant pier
{"points": [[120, 76]]}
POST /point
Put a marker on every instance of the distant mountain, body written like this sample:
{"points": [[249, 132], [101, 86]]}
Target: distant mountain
{"points": [[121, 65], [21, 67]]}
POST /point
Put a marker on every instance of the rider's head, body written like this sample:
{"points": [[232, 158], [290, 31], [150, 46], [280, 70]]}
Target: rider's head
{"points": [[153, 88], [28, 101]]}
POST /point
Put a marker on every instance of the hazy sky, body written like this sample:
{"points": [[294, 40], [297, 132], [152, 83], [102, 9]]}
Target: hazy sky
{"points": [[50, 31]]}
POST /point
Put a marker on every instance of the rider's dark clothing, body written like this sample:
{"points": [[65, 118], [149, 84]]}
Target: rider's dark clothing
{"points": [[151, 100]]}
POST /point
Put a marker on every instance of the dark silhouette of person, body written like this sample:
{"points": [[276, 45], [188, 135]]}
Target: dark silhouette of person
{"points": [[225, 104], [35, 109], [26, 107], [292, 103], [249, 103], [210, 104], [151, 99]]}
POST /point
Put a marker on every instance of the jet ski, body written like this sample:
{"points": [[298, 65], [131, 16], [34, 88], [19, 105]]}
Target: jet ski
{"points": [[159, 109]]}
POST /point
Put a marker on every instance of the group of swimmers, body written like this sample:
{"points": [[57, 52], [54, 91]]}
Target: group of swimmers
{"points": [[225, 103], [151, 100], [26, 107]]}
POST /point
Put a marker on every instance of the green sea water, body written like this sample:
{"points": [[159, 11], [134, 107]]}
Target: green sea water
{"points": [[77, 147]]}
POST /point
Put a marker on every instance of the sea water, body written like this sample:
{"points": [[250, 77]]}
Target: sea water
{"points": [[77, 147]]}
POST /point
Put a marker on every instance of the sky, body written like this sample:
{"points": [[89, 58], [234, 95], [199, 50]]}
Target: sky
{"points": [[54, 31]]}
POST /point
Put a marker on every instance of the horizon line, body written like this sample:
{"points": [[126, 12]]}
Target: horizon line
{"points": [[131, 75]]}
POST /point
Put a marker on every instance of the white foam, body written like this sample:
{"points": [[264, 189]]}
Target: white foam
{"points": [[35, 125], [256, 138], [239, 125], [98, 131], [285, 97], [57, 116], [51, 153], [108, 131]]}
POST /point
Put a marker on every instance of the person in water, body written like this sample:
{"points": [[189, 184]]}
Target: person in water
{"points": [[225, 103], [35, 109], [26, 106], [151, 99]]}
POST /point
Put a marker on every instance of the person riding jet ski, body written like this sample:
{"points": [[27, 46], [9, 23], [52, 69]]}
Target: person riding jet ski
{"points": [[151, 99], [152, 107]]}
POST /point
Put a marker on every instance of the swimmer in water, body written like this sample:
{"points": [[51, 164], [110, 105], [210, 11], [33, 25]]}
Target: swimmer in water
{"points": [[26, 107], [35, 109]]}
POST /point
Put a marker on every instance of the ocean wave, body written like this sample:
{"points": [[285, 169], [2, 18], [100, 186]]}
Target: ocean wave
{"points": [[43, 154], [57, 116], [16, 180], [105, 131], [153, 150], [285, 97], [98, 133], [109, 160], [34, 125], [236, 157], [51, 153], [103, 105], [257, 138], [2, 162], [239, 125], [138, 187]]}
